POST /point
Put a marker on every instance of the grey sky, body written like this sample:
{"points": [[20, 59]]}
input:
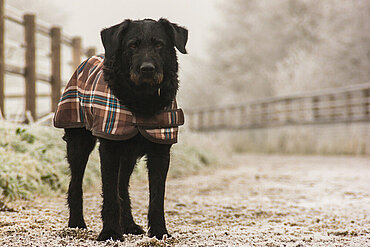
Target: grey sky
{"points": [[87, 18]]}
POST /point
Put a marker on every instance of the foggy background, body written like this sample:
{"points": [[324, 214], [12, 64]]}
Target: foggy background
{"points": [[238, 50], [286, 172]]}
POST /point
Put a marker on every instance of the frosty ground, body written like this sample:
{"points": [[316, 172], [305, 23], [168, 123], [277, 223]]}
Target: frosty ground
{"points": [[262, 200]]}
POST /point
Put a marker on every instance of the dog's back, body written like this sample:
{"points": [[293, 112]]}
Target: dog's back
{"points": [[88, 102]]}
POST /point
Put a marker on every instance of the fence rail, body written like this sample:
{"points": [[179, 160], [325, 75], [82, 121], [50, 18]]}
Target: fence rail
{"points": [[340, 105], [57, 38]]}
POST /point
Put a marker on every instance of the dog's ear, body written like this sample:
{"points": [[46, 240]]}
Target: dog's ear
{"points": [[179, 35], [111, 37]]}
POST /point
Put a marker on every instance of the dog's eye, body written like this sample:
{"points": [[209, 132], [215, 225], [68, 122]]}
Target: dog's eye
{"points": [[158, 46], [133, 46]]}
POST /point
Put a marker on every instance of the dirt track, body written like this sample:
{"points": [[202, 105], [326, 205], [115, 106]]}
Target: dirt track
{"points": [[262, 201]]}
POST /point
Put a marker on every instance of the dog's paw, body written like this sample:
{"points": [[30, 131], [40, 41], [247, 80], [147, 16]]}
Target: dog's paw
{"points": [[158, 233], [77, 224], [133, 229], [105, 235]]}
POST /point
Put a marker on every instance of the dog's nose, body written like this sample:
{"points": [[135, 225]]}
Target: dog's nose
{"points": [[147, 68]]}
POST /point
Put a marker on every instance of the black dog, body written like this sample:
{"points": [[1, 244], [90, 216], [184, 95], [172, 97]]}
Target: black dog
{"points": [[140, 67]]}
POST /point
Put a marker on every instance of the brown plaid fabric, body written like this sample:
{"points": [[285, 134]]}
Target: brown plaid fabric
{"points": [[87, 102]]}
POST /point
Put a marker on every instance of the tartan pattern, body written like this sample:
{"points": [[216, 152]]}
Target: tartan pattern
{"points": [[87, 102]]}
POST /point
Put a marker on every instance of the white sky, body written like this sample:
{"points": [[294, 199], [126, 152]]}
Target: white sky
{"points": [[86, 18]]}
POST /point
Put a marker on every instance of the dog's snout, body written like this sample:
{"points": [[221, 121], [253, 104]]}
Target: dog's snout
{"points": [[147, 68]]}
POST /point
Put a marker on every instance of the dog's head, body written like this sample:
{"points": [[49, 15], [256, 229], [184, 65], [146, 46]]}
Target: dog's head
{"points": [[145, 50]]}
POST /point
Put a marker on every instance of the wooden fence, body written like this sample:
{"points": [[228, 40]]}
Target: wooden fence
{"points": [[57, 39], [340, 105]]}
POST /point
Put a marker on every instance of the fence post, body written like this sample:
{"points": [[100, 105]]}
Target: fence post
{"points": [[332, 107], [221, 118], [237, 117], [302, 112], [30, 57], [288, 111], [265, 115], [2, 58], [91, 52], [348, 106], [315, 108], [210, 119], [200, 120], [76, 52], [253, 114], [241, 116], [366, 99], [189, 120], [56, 81], [233, 116]]}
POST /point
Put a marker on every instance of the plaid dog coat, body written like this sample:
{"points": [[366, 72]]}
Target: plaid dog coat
{"points": [[87, 102]]}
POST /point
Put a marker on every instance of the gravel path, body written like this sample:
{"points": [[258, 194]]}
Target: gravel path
{"points": [[261, 201]]}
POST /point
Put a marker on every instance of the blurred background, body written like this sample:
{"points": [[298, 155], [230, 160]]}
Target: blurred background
{"points": [[276, 96], [273, 76]]}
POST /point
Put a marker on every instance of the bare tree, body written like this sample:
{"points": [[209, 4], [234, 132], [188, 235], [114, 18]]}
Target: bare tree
{"points": [[267, 47], [339, 57]]}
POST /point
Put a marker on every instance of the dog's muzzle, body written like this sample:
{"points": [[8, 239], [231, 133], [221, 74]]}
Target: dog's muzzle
{"points": [[147, 69], [147, 73]]}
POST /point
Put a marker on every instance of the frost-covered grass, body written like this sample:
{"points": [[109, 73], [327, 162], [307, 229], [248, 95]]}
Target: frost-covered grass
{"points": [[32, 160], [339, 139]]}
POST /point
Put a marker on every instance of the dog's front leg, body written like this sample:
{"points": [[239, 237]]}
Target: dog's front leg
{"points": [[80, 143], [158, 164], [110, 156], [128, 224]]}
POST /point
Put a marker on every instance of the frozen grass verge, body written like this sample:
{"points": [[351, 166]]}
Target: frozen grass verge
{"points": [[337, 139], [32, 159]]}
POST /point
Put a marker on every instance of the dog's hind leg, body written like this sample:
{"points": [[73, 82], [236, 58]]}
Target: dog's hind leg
{"points": [[110, 152], [128, 224], [158, 164], [80, 143]]}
